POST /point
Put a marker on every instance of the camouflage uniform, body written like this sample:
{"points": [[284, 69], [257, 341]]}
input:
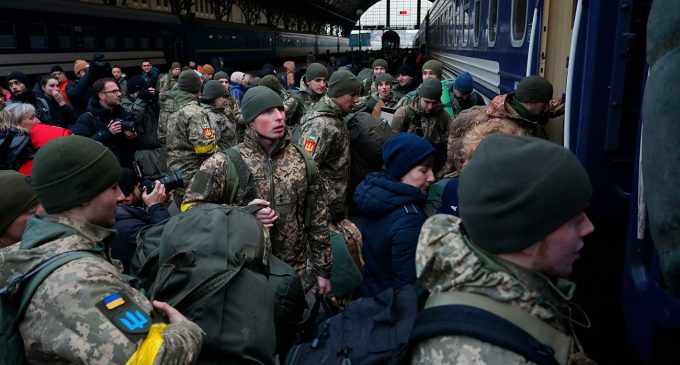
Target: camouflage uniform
{"points": [[325, 135], [170, 102], [435, 127], [309, 98], [63, 324], [501, 107], [193, 137], [279, 178], [166, 83], [225, 127], [445, 263]]}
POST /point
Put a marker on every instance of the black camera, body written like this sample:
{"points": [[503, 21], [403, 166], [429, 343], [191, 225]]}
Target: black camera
{"points": [[172, 180], [127, 125]]}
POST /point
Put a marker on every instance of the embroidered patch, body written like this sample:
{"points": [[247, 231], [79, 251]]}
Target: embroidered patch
{"points": [[310, 144], [127, 316], [208, 133]]}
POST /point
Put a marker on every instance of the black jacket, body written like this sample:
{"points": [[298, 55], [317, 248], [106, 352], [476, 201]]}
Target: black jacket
{"points": [[129, 221], [79, 93], [61, 116]]}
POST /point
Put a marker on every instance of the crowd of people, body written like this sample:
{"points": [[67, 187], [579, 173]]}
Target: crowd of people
{"points": [[357, 182]]}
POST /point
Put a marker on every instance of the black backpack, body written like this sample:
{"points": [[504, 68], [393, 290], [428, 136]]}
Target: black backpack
{"points": [[15, 149]]}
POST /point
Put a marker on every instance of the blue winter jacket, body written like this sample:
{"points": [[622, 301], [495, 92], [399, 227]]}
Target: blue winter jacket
{"points": [[390, 216], [237, 92]]}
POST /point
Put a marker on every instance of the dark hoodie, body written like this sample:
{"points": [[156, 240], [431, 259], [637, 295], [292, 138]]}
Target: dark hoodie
{"points": [[390, 216]]}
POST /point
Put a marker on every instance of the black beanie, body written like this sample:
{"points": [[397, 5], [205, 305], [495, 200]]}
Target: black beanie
{"points": [[430, 89], [258, 100], [516, 190], [127, 181], [212, 90], [220, 75], [135, 84], [72, 170], [17, 199], [534, 89], [403, 152], [407, 69], [316, 70], [189, 81], [343, 83], [19, 76]]}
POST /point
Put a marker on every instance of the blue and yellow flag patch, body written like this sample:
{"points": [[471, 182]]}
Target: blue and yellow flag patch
{"points": [[126, 315]]}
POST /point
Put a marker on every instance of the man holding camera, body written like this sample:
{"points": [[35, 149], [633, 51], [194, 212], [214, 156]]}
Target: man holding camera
{"points": [[107, 122]]}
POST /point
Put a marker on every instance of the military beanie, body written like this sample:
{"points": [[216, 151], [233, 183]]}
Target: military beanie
{"points": [[175, 65], [212, 90], [435, 66], [258, 100], [403, 152], [534, 89], [516, 190], [430, 89], [271, 82], [18, 197], [72, 170], [343, 83], [219, 75], [316, 70], [189, 81], [380, 62], [464, 83], [385, 78]]}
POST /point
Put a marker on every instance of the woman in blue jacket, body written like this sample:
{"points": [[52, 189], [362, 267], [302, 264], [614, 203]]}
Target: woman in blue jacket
{"points": [[390, 206]]}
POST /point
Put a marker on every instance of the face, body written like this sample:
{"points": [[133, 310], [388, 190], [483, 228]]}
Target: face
{"points": [[220, 102], [102, 209], [16, 229], [51, 87], [430, 105], [60, 76], [429, 74], [224, 82], [536, 109], [116, 72], [556, 254], [16, 87], [346, 102], [176, 71], [404, 80], [419, 177], [146, 66], [29, 121], [318, 85], [384, 89], [271, 124], [460, 95], [111, 94], [378, 70]]}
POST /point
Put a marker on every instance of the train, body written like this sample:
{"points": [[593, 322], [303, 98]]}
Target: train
{"points": [[594, 54], [38, 34]]}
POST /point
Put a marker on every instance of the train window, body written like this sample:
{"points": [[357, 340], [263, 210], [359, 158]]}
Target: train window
{"points": [[8, 36], [37, 36], [128, 43], [110, 42], [519, 22], [477, 21], [144, 43], [159, 42], [64, 37], [493, 23]]}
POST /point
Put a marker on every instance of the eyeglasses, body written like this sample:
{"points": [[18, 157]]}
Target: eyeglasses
{"points": [[117, 91]]}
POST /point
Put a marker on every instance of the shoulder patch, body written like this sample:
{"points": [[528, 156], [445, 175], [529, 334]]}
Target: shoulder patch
{"points": [[208, 133], [310, 143], [126, 315]]}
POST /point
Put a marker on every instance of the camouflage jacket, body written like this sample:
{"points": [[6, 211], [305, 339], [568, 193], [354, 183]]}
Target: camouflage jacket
{"points": [[281, 179], [500, 108], [165, 83], [445, 262], [170, 102], [309, 98], [192, 137], [64, 323], [225, 126], [410, 118], [325, 135]]}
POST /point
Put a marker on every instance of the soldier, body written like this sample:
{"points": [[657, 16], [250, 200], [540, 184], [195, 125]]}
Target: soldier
{"points": [[182, 93], [215, 98], [407, 81], [278, 173], [384, 97], [464, 96], [292, 105], [370, 86], [522, 201], [139, 103], [433, 69], [18, 204], [168, 80], [425, 117], [313, 84], [84, 311]]}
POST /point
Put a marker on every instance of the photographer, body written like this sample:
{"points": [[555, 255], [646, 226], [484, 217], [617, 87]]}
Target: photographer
{"points": [[139, 209], [139, 102], [107, 122]]}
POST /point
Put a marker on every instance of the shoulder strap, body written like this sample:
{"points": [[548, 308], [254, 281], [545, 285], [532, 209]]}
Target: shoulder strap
{"points": [[311, 180], [540, 332], [240, 179]]}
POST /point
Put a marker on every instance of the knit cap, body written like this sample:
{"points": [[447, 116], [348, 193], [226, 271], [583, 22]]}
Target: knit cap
{"points": [[534, 89], [343, 83], [219, 75], [175, 65], [464, 83], [516, 190], [189, 81], [408, 70], [237, 77], [316, 70], [72, 170], [135, 84], [435, 66], [79, 65], [385, 78], [212, 90], [380, 62], [403, 152], [19, 76], [430, 89], [18, 197], [258, 100], [271, 82], [207, 69]]}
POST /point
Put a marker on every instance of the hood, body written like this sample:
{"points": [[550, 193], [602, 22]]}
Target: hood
{"points": [[446, 260], [379, 194], [182, 98]]}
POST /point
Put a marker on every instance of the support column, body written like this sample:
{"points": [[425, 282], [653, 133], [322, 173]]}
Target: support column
{"points": [[387, 14], [418, 14]]}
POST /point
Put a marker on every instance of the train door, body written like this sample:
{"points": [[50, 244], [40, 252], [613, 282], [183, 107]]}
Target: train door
{"points": [[556, 30]]}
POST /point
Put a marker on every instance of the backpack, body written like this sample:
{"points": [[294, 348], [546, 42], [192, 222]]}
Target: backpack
{"points": [[434, 196], [490, 321], [369, 331], [14, 300], [15, 149]]}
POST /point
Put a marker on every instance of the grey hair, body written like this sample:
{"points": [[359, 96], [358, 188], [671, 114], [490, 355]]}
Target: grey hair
{"points": [[17, 113]]}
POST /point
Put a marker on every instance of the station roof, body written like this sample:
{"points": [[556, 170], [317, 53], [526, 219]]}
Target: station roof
{"points": [[344, 8]]}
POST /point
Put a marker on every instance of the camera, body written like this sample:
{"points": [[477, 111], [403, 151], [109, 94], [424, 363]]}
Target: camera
{"points": [[172, 180], [127, 125]]}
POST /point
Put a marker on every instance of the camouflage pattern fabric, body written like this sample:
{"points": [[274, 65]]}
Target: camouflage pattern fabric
{"points": [[62, 324], [279, 178], [412, 119], [165, 83], [225, 126], [325, 136], [445, 262], [170, 102], [309, 98]]}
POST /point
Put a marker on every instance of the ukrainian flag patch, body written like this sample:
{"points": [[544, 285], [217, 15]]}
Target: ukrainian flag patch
{"points": [[113, 301]]}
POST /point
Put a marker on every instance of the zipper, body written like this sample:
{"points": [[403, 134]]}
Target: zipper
{"points": [[270, 176]]}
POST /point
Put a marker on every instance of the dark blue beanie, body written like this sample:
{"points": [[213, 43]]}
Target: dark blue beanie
{"points": [[403, 152], [464, 83]]}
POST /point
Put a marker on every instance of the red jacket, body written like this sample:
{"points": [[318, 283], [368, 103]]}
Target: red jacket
{"points": [[41, 134]]}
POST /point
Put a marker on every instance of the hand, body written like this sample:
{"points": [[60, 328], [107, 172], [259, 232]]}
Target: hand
{"points": [[56, 95], [174, 316], [130, 135], [115, 127], [324, 285], [157, 196], [267, 216]]}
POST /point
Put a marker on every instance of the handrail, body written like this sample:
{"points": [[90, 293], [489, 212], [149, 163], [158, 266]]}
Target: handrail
{"points": [[570, 74], [532, 38]]}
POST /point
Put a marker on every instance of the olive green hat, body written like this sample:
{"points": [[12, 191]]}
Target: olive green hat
{"points": [[271, 82], [258, 100], [343, 83], [534, 89], [435, 66], [316, 70], [189, 81], [516, 190], [385, 78], [72, 170], [212, 90], [17, 199], [220, 75], [380, 62], [430, 89]]}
